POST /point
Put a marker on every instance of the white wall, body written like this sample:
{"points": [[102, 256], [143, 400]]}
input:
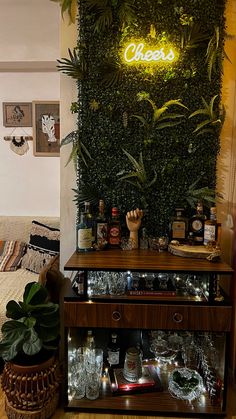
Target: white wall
{"points": [[29, 47]]}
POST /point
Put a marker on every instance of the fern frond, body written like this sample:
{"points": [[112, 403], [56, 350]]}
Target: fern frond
{"points": [[72, 66], [111, 73]]}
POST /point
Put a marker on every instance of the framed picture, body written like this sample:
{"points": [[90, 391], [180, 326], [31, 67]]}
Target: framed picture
{"points": [[17, 114], [46, 128]]}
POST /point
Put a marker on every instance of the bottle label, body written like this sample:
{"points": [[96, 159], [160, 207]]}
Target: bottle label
{"points": [[84, 238], [114, 235], [178, 230], [209, 234], [101, 232], [113, 357], [197, 225]]}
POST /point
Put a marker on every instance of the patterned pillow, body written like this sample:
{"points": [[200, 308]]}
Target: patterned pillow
{"points": [[11, 253], [43, 245]]}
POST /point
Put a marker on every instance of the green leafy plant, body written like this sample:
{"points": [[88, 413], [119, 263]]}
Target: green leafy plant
{"points": [[34, 326], [192, 36], [87, 193], [74, 67], [160, 118], [78, 148], [111, 72], [138, 177], [205, 194], [105, 10], [213, 118], [69, 7]]}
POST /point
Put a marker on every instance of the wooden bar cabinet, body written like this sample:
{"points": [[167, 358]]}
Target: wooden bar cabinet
{"points": [[138, 315]]}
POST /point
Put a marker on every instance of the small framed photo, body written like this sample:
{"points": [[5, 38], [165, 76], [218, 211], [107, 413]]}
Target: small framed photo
{"points": [[17, 114], [46, 128]]}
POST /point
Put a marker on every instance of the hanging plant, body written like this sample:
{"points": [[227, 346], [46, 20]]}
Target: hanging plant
{"points": [[105, 10], [212, 119], [69, 7], [74, 67]]}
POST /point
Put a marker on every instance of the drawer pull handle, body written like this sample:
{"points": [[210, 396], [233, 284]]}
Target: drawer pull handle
{"points": [[116, 316], [178, 317]]}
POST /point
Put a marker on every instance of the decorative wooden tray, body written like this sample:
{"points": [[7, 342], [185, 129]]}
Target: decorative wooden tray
{"points": [[184, 250]]}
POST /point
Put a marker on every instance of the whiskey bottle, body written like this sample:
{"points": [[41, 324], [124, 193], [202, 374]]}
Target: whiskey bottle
{"points": [[179, 226], [210, 229], [101, 226], [196, 225], [114, 236], [84, 234], [113, 351]]}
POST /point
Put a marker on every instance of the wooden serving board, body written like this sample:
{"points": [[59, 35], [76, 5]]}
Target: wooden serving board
{"points": [[199, 252]]}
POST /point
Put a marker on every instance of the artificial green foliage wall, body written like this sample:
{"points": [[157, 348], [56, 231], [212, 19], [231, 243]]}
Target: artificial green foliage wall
{"points": [[116, 104]]}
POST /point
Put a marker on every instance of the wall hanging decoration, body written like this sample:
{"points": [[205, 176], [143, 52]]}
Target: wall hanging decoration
{"points": [[19, 145], [46, 128], [17, 114], [149, 98]]}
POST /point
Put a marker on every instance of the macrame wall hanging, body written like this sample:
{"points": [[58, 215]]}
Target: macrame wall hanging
{"points": [[19, 144]]}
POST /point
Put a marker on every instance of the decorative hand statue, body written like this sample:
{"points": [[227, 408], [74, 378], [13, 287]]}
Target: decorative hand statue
{"points": [[133, 221]]}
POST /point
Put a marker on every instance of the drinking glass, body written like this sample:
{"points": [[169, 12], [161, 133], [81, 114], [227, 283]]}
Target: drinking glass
{"points": [[117, 283], [94, 366], [77, 374]]}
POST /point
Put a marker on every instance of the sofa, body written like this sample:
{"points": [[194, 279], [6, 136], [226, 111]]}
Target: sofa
{"points": [[12, 283]]}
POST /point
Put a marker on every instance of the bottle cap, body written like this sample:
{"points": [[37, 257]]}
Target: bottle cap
{"points": [[115, 211]]}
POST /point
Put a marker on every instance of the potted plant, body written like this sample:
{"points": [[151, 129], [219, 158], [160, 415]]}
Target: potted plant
{"points": [[29, 346]]}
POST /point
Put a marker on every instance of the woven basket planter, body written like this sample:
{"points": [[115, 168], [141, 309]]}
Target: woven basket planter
{"points": [[31, 391]]}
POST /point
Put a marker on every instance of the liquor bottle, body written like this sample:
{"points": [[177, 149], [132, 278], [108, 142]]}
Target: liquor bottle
{"points": [[113, 351], [101, 226], [179, 226], [210, 229], [84, 234], [196, 225], [90, 347], [89, 219], [143, 242], [114, 236]]}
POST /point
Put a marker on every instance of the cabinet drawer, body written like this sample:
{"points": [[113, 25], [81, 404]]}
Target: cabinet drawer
{"points": [[147, 316]]}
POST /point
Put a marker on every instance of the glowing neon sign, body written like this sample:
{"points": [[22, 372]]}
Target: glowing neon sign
{"points": [[139, 53]]}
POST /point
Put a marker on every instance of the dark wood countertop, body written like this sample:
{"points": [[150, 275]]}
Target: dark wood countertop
{"points": [[142, 260]]}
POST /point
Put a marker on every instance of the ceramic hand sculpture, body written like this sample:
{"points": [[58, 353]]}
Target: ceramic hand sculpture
{"points": [[133, 221]]}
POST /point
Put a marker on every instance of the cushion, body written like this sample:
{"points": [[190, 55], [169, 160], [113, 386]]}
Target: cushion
{"points": [[11, 253], [43, 245], [51, 278]]}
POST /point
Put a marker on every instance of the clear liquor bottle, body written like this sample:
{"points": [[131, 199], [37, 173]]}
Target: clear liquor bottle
{"points": [[196, 225], [84, 234], [89, 218], [101, 226]]}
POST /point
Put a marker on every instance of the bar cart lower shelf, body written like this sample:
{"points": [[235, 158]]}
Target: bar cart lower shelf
{"points": [[157, 402], [205, 317]]}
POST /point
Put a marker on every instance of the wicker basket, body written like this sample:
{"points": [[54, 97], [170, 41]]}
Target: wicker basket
{"points": [[32, 389]]}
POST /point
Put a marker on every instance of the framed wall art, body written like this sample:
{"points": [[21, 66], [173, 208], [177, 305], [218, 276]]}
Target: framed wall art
{"points": [[17, 114], [46, 128]]}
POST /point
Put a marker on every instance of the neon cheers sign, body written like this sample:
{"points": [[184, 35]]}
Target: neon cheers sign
{"points": [[139, 53]]}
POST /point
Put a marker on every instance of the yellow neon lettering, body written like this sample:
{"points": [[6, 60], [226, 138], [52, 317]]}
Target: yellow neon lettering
{"points": [[138, 53]]}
